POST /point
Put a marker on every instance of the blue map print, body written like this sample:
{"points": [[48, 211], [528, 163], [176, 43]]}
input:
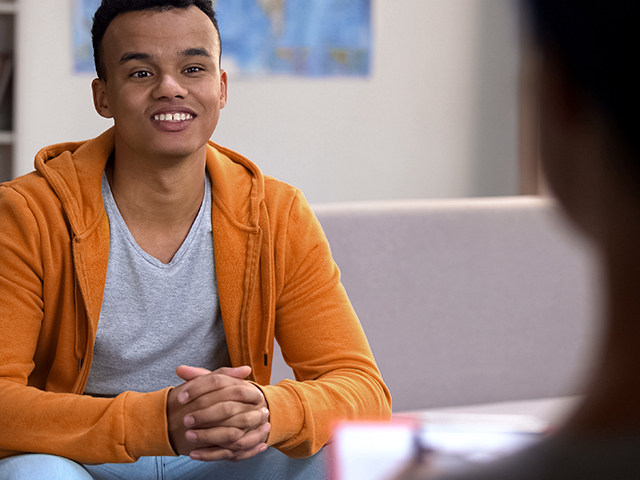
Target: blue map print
{"points": [[295, 37], [271, 37]]}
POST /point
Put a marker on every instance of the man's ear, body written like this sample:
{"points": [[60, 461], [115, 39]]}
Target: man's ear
{"points": [[100, 100], [223, 88]]}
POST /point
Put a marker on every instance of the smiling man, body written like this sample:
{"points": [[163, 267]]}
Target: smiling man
{"points": [[145, 273]]}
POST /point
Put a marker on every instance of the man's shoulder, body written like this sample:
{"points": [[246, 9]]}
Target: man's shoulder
{"points": [[233, 173], [66, 163], [275, 187], [30, 187]]}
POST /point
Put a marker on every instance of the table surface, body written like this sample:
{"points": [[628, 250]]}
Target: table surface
{"points": [[549, 410]]}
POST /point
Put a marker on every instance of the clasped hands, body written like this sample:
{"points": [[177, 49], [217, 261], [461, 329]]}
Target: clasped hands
{"points": [[217, 415]]}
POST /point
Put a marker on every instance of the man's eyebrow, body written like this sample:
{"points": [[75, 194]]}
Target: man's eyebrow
{"points": [[127, 57], [189, 52], [196, 52]]}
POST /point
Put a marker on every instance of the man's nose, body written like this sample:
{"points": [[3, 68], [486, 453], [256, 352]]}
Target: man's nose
{"points": [[169, 87]]}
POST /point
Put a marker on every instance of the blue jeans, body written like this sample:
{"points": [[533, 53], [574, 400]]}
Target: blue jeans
{"points": [[270, 464]]}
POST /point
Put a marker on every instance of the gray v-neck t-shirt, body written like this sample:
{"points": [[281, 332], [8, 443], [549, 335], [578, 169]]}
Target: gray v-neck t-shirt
{"points": [[156, 316]]}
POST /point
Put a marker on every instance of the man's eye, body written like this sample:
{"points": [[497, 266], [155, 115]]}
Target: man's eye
{"points": [[193, 69], [141, 74]]}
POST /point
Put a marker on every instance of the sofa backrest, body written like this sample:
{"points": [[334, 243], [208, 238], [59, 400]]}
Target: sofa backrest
{"points": [[466, 301]]}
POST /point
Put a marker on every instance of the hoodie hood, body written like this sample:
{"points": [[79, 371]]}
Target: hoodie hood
{"points": [[74, 171]]}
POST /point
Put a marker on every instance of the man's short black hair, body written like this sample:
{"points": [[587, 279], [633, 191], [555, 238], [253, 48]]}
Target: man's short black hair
{"points": [[110, 9], [597, 41]]}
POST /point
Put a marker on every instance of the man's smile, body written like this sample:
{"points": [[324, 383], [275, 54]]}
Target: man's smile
{"points": [[172, 117]]}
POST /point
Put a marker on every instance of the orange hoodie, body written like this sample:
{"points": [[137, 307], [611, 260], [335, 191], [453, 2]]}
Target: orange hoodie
{"points": [[275, 277]]}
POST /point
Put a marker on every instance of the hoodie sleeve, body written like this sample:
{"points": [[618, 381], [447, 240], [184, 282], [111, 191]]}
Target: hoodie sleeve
{"points": [[41, 406], [321, 340]]}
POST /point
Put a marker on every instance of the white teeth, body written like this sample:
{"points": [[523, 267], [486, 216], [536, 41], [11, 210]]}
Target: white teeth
{"points": [[173, 117]]}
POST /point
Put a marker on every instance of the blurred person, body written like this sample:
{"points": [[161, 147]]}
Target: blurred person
{"points": [[588, 100]]}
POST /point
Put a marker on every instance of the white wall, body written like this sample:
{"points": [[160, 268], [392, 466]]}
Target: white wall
{"points": [[437, 117]]}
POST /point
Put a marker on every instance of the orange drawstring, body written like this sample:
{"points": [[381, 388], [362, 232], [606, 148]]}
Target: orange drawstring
{"points": [[268, 287]]}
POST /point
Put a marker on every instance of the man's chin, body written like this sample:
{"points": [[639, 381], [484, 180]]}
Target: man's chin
{"points": [[176, 153]]}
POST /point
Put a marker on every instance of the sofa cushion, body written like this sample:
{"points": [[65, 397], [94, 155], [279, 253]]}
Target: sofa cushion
{"points": [[466, 301]]}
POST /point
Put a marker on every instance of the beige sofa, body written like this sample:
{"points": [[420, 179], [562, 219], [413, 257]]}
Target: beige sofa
{"points": [[468, 301]]}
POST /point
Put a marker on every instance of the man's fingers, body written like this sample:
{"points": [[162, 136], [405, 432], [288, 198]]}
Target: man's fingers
{"points": [[250, 439], [237, 372], [229, 437], [219, 436], [211, 454], [205, 384], [249, 453], [187, 373], [228, 414], [245, 446], [218, 454], [213, 399], [214, 388]]}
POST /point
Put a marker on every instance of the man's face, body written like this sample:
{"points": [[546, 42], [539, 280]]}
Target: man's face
{"points": [[164, 86]]}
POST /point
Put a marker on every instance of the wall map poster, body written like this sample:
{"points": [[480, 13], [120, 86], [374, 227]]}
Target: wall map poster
{"points": [[315, 38], [295, 37], [81, 20]]}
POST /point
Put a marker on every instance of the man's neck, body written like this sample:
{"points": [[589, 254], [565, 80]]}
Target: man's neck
{"points": [[158, 201]]}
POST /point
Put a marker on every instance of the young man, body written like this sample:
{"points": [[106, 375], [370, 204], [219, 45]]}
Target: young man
{"points": [[590, 140], [150, 248]]}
